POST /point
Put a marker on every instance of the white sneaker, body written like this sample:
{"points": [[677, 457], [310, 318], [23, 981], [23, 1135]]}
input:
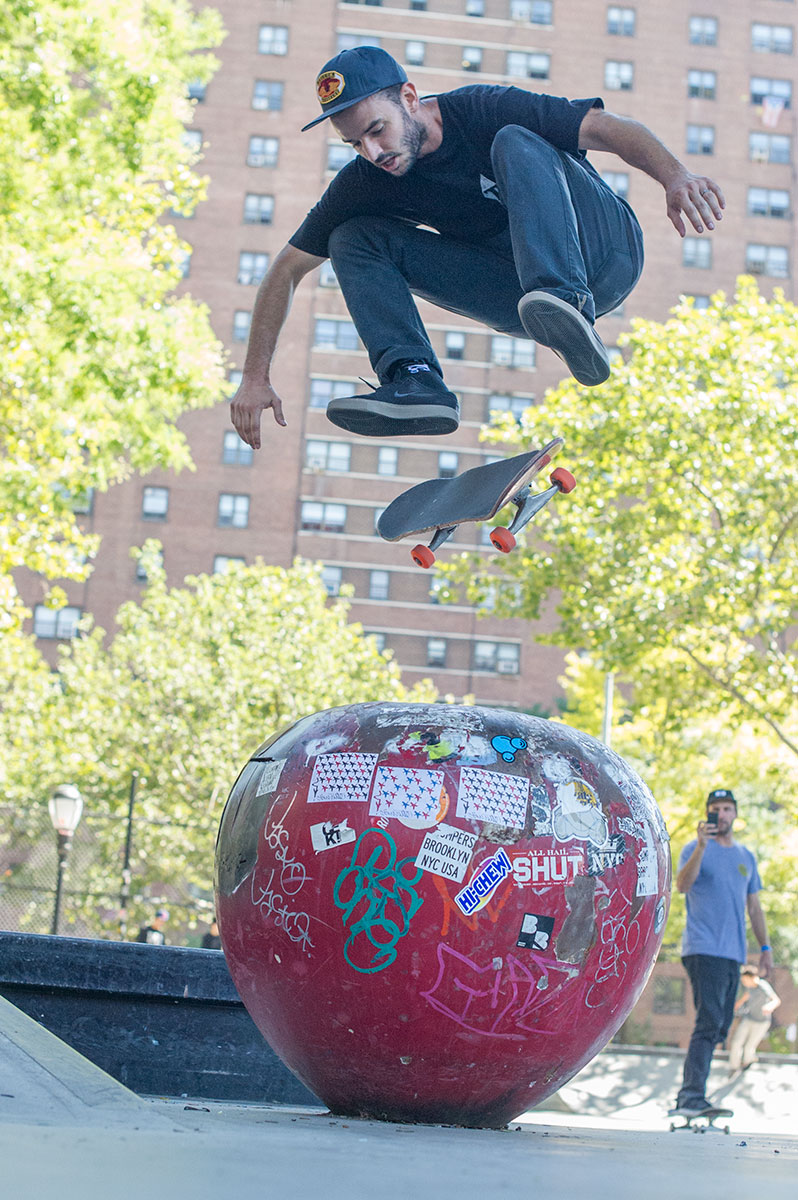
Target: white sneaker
{"points": [[555, 323]]}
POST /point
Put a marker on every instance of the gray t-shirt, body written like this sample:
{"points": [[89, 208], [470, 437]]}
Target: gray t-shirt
{"points": [[716, 903], [755, 1000]]}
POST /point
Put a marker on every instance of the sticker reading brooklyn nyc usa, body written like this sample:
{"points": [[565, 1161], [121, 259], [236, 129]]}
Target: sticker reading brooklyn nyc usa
{"points": [[446, 851], [484, 883], [270, 776], [341, 777]]}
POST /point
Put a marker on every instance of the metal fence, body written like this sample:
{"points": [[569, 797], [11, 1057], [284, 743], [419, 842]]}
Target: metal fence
{"points": [[29, 875]]}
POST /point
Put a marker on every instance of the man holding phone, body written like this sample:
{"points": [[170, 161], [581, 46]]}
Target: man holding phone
{"points": [[720, 881]]}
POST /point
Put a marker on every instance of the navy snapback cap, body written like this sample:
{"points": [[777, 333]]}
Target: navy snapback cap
{"points": [[352, 76], [721, 794]]}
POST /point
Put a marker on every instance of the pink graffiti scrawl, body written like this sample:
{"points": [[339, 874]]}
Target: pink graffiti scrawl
{"points": [[341, 777], [406, 792], [492, 796]]}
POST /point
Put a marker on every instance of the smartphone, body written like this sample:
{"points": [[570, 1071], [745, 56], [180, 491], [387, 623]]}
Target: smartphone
{"points": [[712, 822]]}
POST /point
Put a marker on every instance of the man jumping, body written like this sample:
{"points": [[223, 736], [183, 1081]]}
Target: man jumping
{"points": [[479, 200]]}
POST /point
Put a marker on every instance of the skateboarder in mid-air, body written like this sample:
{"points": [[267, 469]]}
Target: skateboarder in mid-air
{"points": [[530, 241]]}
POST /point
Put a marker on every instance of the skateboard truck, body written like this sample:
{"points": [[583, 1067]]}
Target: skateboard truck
{"points": [[503, 539]]}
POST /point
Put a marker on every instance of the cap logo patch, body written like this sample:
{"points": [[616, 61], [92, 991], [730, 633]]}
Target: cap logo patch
{"points": [[329, 86]]}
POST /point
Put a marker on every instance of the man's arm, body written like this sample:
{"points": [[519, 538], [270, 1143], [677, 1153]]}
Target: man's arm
{"points": [[272, 305], [760, 928], [697, 196], [688, 874]]}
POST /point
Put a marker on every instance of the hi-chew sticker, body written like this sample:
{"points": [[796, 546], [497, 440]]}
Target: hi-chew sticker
{"points": [[446, 851], [484, 883], [270, 776], [341, 777], [493, 797]]}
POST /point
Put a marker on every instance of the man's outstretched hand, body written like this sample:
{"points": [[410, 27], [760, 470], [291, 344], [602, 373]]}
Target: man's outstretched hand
{"points": [[699, 198], [247, 405]]}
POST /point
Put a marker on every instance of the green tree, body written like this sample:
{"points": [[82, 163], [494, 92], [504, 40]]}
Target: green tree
{"points": [[97, 359], [194, 680], [673, 562]]}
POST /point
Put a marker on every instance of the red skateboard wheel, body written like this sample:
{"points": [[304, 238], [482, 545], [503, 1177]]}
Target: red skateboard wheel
{"points": [[422, 556], [563, 479], [502, 539]]}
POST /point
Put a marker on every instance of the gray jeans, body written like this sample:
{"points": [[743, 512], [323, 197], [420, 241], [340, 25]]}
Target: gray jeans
{"points": [[567, 233]]}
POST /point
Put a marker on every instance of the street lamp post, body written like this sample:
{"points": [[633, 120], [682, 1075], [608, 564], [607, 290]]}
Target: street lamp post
{"points": [[66, 807]]}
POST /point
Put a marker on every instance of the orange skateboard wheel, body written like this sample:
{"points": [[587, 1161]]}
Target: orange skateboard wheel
{"points": [[563, 479], [422, 556], [502, 539]]}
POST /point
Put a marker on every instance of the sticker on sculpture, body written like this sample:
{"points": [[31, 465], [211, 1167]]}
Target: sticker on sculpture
{"points": [[484, 883], [446, 851], [331, 833], [659, 914], [536, 931], [270, 777], [494, 797], [544, 867], [578, 813], [507, 747], [408, 794], [341, 777], [604, 858]]}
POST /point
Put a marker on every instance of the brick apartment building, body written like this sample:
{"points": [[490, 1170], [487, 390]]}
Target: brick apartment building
{"points": [[714, 80]]}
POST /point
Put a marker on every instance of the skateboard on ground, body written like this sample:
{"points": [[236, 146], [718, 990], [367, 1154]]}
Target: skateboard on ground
{"points": [[438, 506], [709, 1116]]}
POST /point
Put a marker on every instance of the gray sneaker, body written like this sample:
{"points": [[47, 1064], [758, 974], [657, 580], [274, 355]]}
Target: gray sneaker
{"points": [[555, 323], [416, 401], [689, 1110]]}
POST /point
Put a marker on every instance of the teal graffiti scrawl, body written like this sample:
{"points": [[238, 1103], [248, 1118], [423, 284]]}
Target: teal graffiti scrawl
{"points": [[378, 897]]}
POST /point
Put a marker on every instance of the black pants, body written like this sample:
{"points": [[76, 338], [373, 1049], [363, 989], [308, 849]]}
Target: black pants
{"points": [[714, 982], [567, 234]]}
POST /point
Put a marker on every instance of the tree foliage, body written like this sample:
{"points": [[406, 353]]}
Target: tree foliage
{"points": [[97, 360], [193, 681], [673, 562]]}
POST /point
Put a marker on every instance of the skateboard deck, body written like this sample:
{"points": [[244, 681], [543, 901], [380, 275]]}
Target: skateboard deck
{"points": [[709, 1116], [439, 505]]}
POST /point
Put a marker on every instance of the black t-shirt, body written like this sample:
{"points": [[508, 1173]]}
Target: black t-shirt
{"points": [[452, 188]]}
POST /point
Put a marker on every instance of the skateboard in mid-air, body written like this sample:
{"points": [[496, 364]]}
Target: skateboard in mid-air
{"points": [[707, 1118], [438, 506]]}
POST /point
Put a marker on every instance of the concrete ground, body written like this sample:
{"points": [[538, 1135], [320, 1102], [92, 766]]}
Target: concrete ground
{"points": [[68, 1131]]}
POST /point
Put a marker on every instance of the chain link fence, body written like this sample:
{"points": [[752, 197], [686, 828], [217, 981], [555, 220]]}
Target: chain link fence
{"points": [[29, 875]]}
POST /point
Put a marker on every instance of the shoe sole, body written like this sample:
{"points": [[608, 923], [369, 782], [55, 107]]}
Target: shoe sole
{"points": [[555, 323], [375, 418]]}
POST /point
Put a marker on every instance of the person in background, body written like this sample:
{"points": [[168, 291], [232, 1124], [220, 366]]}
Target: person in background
{"points": [[211, 939], [754, 1006], [153, 934]]}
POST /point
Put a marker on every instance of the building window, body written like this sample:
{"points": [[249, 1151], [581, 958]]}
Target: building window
{"points": [[387, 460], [621, 21], [773, 39], [192, 138], [323, 518], [436, 652], [267, 95], [472, 58], [233, 510], [697, 252], [197, 90], [327, 276], [536, 12], [331, 580], [141, 575], [769, 147], [328, 456], [155, 503], [700, 139], [55, 622], [258, 209], [455, 343], [768, 202], [515, 405], [235, 451], [252, 266], [447, 464], [700, 303], [234, 378], [335, 335], [502, 657], [767, 260], [475, 8], [242, 319], [774, 94], [273, 39], [414, 53], [701, 84], [378, 639], [702, 31], [528, 65], [379, 585], [618, 181], [348, 41], [511, 352], [322, 391], [263, 151], [619, 76], [223, 562], [435, 588], [338, 155], [668, 998]]}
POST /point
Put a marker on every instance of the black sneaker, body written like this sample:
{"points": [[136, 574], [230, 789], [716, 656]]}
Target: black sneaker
{"points": [[690, 1109], [555, 323], [415, 401]]}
